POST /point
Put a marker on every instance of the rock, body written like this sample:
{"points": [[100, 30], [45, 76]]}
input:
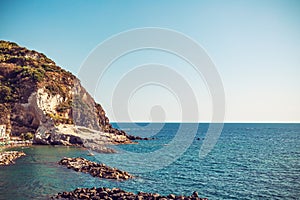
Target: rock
{"points": [[132, 137], [95, 169], [156, 195], [117, 193], [103, 194], [195, 194], [171, 196], [180, 197], [8, 157], [93, 191], [140, 198], [83, 196]]}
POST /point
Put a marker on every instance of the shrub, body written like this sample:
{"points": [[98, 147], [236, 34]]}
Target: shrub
{"points": [[7, 45], [27, 136], [54, 89], [5, 93], [37, 74], [65, 105]]}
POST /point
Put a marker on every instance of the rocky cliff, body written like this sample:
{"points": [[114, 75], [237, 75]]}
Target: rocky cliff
{"points": [[39, 97]]}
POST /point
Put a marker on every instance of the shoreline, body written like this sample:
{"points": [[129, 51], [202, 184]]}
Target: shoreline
{"points": [[13, 145], [29, 144]]}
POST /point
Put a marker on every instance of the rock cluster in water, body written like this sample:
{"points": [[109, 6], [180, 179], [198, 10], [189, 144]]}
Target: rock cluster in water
{"points": [[95, 169], [116, 194], [132, 137], [8, 157]]}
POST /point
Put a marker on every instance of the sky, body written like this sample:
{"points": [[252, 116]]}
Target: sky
{"points": [[254, 45]]}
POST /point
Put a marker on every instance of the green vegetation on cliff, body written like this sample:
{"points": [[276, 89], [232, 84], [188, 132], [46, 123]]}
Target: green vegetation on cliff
{"points": [[20, 64]]}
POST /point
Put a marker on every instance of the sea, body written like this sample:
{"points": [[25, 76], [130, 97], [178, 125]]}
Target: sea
{"points": [[245, 161]]}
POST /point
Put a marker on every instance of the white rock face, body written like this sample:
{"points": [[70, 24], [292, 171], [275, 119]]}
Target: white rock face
{"points": [[46, 102], [66, 134], [47, 133]]}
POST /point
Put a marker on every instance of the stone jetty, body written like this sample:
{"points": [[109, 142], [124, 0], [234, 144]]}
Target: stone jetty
{"points": [[95, 169], [117, 193], [9, 157]]}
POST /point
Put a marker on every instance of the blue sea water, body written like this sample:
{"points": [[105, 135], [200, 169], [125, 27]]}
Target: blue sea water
{"points": [[249, 161]]}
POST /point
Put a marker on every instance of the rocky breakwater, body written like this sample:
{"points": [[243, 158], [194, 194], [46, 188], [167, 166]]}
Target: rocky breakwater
{"points": [[8, 157], [95, 169], [116, 193]]}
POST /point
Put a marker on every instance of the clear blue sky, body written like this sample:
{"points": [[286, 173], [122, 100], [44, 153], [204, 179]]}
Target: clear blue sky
{"points": [[254, 44]]}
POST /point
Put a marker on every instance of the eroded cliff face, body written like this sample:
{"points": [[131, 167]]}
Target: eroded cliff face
{"points": [[38, 96]]}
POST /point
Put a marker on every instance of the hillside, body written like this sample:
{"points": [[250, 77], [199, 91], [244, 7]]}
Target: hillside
{"points": [[39, 97]]}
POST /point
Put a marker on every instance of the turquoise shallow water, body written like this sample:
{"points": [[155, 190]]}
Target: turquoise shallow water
{"points": [[249, 161]]}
